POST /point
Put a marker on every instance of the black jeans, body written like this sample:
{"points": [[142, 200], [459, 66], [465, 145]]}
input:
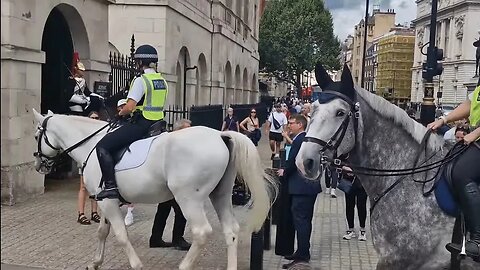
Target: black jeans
{"points": [[331, 178], [466, 168], [466, 177], [163, 210], [357, 197]]}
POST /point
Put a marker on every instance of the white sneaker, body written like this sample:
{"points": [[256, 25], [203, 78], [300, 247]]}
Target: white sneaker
{"points": [[327, 191], [349, 235], [128, 219], [362, 236], [332, 193]]}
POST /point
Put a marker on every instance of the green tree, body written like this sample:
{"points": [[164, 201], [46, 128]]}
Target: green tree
{"points": [[294, 36]]}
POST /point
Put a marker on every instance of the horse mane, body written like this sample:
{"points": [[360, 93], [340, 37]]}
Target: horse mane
{"points": [[400, 117]]}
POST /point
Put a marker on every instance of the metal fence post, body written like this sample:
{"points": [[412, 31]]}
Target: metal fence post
{"points": [[267, 239], [256, 250]]}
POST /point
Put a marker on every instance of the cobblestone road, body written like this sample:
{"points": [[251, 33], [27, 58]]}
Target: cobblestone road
{"points": [[43, 233]]}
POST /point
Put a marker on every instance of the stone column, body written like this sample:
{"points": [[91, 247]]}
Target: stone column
{"points": [[20, 92]]}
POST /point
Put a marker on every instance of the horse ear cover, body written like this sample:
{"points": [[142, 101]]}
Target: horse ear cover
{"points": [[322, 77], [348, 87]]}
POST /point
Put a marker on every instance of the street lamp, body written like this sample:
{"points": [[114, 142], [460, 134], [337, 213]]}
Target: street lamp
{"points": [[430, 69], [185, 69], [362, 73]]}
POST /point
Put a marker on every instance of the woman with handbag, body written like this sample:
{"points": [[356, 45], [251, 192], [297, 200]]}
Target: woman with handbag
{"points": [[251, 127], [355, 194]]}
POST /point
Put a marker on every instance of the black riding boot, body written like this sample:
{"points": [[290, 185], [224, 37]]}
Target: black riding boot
{"points": [[107, 166], [470, 203]]}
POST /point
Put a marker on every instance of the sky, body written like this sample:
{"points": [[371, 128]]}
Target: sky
{"points": [[347, 13]]}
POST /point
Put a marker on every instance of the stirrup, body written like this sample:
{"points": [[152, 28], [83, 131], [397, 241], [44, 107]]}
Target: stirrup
{"points": [[116, 194]]}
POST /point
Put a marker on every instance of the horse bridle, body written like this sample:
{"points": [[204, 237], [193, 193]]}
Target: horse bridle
{"points": [[49, 162], [334, 142], [45, 161]]}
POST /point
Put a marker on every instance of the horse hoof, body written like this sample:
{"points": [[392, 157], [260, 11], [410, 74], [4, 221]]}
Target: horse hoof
{"points": [[91, 267]]}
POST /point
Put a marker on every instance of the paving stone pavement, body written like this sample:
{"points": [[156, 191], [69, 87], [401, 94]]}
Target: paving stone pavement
{"points": [[43, 233]]}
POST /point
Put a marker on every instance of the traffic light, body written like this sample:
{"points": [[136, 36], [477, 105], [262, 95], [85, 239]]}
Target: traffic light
{"points": [[436, 68]]}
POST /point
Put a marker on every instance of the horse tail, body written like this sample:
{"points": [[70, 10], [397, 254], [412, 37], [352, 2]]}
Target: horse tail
{"points": [[263, 187]]}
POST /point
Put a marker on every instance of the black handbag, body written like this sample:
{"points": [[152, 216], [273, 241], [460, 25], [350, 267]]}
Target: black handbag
{"points": [[240, 194]]}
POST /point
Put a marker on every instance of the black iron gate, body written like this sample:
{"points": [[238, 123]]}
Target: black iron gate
{"points": [[122, 70]]}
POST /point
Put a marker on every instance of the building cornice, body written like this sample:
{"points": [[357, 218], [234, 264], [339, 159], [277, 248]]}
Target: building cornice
{"points": [[446, 10]]}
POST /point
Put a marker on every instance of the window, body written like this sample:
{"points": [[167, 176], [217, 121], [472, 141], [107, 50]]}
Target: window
{"points": [[245, 11], [238, 10], [447, 37], [228, 14], [255, 21]]}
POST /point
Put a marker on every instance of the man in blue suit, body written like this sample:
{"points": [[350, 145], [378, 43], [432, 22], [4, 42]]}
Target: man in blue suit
{"points": [[303, 193]]}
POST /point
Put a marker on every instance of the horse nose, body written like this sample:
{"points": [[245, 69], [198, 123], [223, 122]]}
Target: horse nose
{"points": [[309, 164]]}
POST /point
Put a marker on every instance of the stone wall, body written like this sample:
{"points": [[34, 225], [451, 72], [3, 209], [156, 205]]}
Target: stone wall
{"points": [[226, 57], [22, 27]]}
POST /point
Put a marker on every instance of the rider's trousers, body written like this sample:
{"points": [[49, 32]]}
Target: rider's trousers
{"points": [[466, 175], [114, 141]]}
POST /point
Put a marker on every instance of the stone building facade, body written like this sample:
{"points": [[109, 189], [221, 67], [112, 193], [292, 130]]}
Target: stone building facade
{"points": [[38, 39], [378, 24], [458, 26], [219, 37]]}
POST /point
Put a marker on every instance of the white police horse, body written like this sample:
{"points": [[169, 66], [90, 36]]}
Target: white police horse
{"points": [[409, 230], [189, 165]]}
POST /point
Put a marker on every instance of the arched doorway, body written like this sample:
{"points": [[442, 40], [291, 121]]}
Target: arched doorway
{"points": [[246, 92], [58, 47], [202, 95], [238, 87]]}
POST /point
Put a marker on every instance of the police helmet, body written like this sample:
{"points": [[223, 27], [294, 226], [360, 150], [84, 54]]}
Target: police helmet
{"points": [[146, 54]]}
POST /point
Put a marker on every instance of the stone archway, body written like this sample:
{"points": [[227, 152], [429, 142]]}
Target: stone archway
{"points": [[64, 32], [186, 92], [254, 90], [238, 86], [177, 98], [230, 91], [57, 44], [202, 95], [246, 92]]}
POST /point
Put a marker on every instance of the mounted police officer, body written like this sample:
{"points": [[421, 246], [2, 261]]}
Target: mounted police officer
{"points": [[146, 99], [466, 171]]}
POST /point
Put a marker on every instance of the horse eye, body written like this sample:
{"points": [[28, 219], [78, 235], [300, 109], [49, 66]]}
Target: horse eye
{"points": [[340, 113]]}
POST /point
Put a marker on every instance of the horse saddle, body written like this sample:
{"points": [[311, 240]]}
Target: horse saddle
{"points": [[135, 154]]}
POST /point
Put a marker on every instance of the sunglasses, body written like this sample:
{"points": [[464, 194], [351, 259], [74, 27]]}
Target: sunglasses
{"points": [[94, 117], [253, 112]]}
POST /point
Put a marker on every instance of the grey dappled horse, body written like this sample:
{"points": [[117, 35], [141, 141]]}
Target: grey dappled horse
{"points": [[409, 230]]}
